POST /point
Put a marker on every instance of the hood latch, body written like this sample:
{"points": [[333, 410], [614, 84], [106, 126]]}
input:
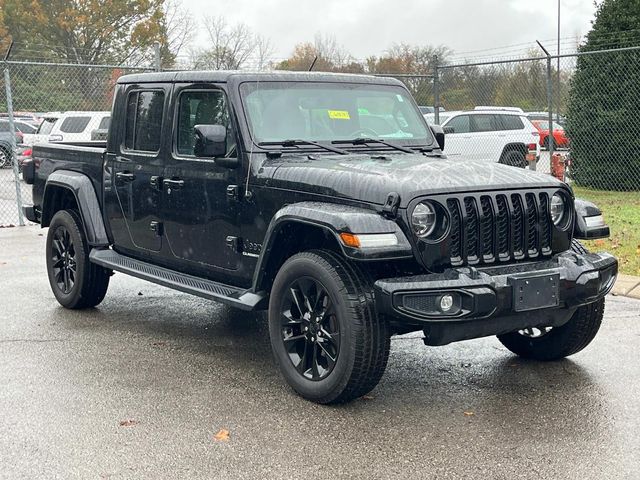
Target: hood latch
{"points": [[390, 208]]}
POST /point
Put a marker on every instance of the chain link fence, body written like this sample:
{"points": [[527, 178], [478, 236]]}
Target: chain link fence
{"points": [[583, 107], [580, 108], [50, 102]]}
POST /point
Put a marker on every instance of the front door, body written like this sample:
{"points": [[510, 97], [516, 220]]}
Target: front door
{"points": [[199, 215], [134, 172]]}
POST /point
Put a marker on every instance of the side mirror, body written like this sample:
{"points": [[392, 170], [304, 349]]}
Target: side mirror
{"points": [[448, 130], [438, 132], [211, 141]]}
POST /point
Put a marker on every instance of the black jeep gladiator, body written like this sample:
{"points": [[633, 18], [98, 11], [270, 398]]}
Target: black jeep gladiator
{"points": [[326, 200]]}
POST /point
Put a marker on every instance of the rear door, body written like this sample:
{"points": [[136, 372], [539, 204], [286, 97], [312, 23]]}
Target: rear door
{"points": [[487, 137], [199, 215], [133, 182]]}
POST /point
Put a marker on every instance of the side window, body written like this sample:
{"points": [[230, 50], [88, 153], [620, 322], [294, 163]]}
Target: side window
{"points": [[460, 124], [207, 107], [485, 123], [74, 124], [144, 120], [104, 123], [511, 122]]}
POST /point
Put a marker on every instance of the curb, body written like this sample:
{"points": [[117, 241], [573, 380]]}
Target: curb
{"points": [[627, 286]]}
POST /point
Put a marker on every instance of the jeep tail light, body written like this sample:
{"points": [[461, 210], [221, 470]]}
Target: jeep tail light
{"points": [[532, 147]]}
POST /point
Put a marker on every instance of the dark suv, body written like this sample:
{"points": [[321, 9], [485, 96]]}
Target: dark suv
{"points": [[326, 200]]}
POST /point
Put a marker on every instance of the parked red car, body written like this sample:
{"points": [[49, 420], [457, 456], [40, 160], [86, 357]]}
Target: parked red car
{"points": [[559, 135]]}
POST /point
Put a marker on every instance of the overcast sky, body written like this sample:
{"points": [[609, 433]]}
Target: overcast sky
{"points": [[368, 27]]}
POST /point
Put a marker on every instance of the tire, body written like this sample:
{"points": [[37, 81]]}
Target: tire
{"points": [[545, 144], [349, 349], [75, 281], [5, 158], [558, 342], [514, 158]]}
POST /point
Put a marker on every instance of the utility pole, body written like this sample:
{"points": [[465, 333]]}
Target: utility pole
{"points": [[558, 88]]}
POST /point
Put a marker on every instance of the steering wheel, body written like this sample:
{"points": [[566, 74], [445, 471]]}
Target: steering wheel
{"points": [[366, 131]]}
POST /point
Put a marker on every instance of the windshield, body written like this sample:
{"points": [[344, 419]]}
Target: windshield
{"points": [[325, 112], [46, 126]]}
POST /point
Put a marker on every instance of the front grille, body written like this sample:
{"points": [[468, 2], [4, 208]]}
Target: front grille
{"points": [[500, 227]]}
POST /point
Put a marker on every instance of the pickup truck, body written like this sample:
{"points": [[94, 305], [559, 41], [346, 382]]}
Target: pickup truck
{"points": [[327, 201]]}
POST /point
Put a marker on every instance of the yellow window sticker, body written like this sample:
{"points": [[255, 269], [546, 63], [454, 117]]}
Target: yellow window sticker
{"points": [[339, 115]]}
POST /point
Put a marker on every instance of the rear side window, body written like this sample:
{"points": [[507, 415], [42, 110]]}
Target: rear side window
{"points": [[460, 124], [144, 120], [74, 124], [511, 122]]}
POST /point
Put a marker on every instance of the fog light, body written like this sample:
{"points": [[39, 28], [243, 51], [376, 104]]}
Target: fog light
{"points": [[446, 303]]}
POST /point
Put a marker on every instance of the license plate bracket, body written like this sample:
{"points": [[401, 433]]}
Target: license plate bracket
{"points": [[532, 292]]}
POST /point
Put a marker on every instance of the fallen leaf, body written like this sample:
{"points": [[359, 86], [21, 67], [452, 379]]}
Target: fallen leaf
{"points": [[140, 293], [638, 250], [599, 243], [159, 344], [367, 397], [222, 435], [469, 414], [128, 422]]}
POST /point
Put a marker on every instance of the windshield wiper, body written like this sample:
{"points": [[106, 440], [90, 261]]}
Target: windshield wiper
{"points": [[295, 143], [364, 141]]}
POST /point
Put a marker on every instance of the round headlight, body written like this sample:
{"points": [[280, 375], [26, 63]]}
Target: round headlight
{"points": [[423, 219], [558, 208]]}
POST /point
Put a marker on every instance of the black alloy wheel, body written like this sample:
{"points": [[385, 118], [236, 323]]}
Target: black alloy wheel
{"points": [[63, 259], [310, 329]]}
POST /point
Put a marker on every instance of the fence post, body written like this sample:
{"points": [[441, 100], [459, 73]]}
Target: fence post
{"points": [[436, 90], [551, 138], [12, 142], [157, 64]]}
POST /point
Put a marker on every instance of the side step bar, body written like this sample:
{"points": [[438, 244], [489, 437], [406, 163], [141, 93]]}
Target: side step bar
{"points": [[200, 287]]}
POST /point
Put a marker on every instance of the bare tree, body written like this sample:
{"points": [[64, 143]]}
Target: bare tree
{"points": [[180, 26], [230, 46], [263, 53]]}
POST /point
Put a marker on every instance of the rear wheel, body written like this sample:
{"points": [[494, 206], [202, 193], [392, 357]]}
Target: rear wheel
{"points": [[327, 339], [514, 158], [554, 343], [5, 158], [75, 281]]}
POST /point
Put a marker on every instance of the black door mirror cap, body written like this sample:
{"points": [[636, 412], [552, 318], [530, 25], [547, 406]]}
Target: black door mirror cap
{"points": [[438, 132], [211, 141]]}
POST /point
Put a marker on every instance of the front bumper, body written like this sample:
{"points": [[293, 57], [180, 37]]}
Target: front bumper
{"points": [[496, 300]]}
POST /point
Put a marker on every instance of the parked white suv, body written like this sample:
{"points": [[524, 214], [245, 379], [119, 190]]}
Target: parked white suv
{"points": [[491, 134], [44, 129], [78, 126]]}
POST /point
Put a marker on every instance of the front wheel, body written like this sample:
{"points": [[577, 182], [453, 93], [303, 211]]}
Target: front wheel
{"points": [[75, 281], [554, 343], [327, 339]]}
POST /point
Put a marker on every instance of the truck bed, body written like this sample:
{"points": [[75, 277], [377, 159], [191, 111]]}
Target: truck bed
{"points": [[84, 157]]}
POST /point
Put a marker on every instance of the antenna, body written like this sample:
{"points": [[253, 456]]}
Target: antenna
{"points": [[313, 63]]}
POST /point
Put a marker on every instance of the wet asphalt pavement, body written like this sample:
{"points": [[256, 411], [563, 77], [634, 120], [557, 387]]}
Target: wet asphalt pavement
{"points": [[176, 370]]}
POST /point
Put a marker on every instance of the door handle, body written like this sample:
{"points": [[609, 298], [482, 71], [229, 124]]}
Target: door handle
{"points": [[125, 176], [175, 184]]}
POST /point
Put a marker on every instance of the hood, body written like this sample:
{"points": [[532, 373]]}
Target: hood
{"points": [[370, 178]]}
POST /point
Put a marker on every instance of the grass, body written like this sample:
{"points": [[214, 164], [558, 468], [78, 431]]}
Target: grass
{"points": [[622, 213]]}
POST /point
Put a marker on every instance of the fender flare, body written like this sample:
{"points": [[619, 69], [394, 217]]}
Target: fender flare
{"points": [[335, 219], [82, 189]]}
